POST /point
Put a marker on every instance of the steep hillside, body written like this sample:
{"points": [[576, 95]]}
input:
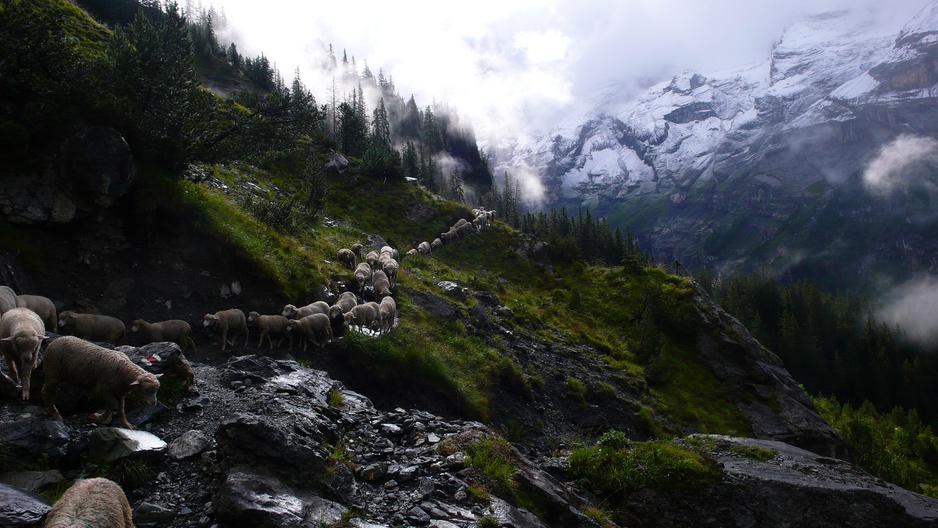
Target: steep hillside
{"points": [[761, 166]]}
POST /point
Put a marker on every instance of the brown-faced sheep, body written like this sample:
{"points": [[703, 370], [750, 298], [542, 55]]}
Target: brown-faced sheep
{"points": [[7, 299], [362, 316], [44, 308], [269, 325], [93, 327], [387, 310], [292, 312], [172, 330], [21, 333], [362, 275], [315, 328], [346, 257], [95, 502], [107, 375], [381, 284], [343, 304], [225, 320]]}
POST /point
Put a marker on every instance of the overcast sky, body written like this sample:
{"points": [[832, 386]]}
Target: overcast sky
{"points": [[510, 65]]}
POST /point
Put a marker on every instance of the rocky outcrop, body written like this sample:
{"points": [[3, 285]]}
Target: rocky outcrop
{"points": [[90, 171]]}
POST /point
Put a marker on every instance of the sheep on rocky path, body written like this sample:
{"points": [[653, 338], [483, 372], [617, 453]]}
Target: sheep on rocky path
{"points": [[225, 320], [390, 268], [381, 284], [292, 312], [362, 316], [363, 275], [7, 299], [93, 327], [44, 308], [346, 257], [21, 333], [107, 375], [95, 502], [387, 310], [343, 304], [172, 330], [269, 325], [315, 329]]}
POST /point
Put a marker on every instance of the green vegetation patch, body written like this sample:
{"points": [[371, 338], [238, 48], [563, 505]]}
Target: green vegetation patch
{"points": [[755, 453], [616, 467]]}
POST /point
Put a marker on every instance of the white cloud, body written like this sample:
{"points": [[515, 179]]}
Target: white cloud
{"points": [[914, 307], [906, 162]]}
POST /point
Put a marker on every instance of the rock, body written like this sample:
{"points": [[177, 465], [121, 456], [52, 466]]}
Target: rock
{"points": [[31, 480], [256, 369], [21, 509], [162, 358], [337, 163], [190, 444], [149, 514], [452, 288], [108, 444], [374, 472], [33, 438], [435, 305]]}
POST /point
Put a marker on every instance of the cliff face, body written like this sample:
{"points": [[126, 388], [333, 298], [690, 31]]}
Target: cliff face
{"points": [[731, 169]]}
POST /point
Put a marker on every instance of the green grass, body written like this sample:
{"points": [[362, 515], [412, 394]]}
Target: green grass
{"points": [[755, 453]]}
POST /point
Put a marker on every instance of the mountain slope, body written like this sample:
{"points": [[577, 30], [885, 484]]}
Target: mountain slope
{"points": [[734, 169]]}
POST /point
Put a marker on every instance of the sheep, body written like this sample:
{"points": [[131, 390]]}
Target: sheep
{"points": [[343, 304], [411, 253], [292, 312], [7, 299], [381, 284], [357, 249], [423, 248], [372, 258], [312, 327], [490, 215], [449, 236], [391, 252], [480, 221], [436, 244], [225, 320], [362, 275], [44, 308], [93, 327], [459, 223], [363, 315], [346, 257], [21, 333], [390, 268], [96, 502], [464, 230], [386, 312], [107, 375], [271, 325], [172, 330]]}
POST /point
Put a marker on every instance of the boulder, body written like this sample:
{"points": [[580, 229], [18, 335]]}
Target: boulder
{"points": [[34, 438], [21, 509], [108, 444]]}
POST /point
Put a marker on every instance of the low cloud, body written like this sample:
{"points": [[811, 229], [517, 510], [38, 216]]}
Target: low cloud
{"points": [[908, 162], [914, 307]]}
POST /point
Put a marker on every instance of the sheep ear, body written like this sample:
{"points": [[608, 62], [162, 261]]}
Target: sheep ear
{"points": [[8, 338], [158, 376], [135, 382]]}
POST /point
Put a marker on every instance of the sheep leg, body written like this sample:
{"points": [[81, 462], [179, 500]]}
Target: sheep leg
{"points": [[261, 340], [48, 399], [11, 365], [189, 343], [27, 371], [120, 413], [247, 335]]}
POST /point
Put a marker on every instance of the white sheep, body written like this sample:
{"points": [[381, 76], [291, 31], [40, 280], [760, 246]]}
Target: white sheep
{"points": [[387, 310], [372, 258], [480, 221], [225, 320], [390, 268], [465, 230], [391, 252], [315, 328], [490, 215], [7, 299], [94, 502], [44, 308], [346, 257], [423, 248], [363, 275], [107, 375], [172, 330], [269, 325], [381, 284], [436, 244], [93, 327], [363, 316], [459, 223], [21, 333], [292, 312], [449, 236], [343, 304], [411, 253]]}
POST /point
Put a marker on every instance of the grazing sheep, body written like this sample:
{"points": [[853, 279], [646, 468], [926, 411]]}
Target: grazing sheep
{"points": [[464, 230], [436, 244], [363, 315], [312, 327], [391, 252], [44, 308], [381, 284], [459, 223], [271, 325], [423, 248], [21, 333], [372, 258], [411, 253], [96, 502], [357, 249], [292, 312], [449, 236], [362, 275], [343, 304], [93, 327], [225, 320], [490, 215], [480, 221], [172, 330], [346, 257], [107, 375], [7, 299], [387, 310], [390, 268]]}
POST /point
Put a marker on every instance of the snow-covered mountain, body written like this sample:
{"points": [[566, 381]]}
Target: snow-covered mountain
{"points": [[761, 164]]}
